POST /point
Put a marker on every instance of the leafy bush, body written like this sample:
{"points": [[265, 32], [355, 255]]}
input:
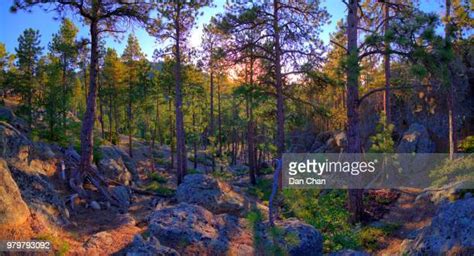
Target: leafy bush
{"points": [[160, 189], [262, 189], [369, 238], [157, 177], [327, 213], [60, 246], [223, 175], [467, 145]]}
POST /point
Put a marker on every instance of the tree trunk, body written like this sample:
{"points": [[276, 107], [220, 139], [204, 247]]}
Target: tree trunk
{"points": [[353, 135], [387, 70], [219, 117], [251, 131], [172, 131], [194, 141], [63, 80], [211, 104], [130, 117], [180, 135], [110, 114], [280, 138], [87, 128], [450, 98]]}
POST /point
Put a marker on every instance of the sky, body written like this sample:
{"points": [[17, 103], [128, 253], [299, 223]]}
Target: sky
{"points": [[12, 25]]}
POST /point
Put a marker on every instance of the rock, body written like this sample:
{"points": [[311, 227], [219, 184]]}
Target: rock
{"points": [[298, 238], [447, 192], [416, 140], [122, 193], [40, 194], [193, 230], [14, 145], [113, 166], [94, 205], [13, 210], [8, 116], [451, 231], [150, 247], [239, 169], [349, 253], [329, 142], [210, 193]]}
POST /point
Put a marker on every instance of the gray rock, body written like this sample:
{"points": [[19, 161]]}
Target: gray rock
{"points": [[94, 205], [416, 140], [297, 238], [451, 231], [210, 193], [122, 193], [14, 145], [150, 247], [191, 229], [8, 116], [349, 253], [13, 210], [114, 167], [329, 142]]}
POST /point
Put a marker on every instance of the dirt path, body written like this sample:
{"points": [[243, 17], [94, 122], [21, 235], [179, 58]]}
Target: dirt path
{"points": [[411, 214]]}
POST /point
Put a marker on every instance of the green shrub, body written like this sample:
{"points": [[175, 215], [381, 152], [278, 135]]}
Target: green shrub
{"points": [[265, 171], [262, 189], [157, 177], [369, 238], [159, 189], [223, 175], [326, 212], [60, 246], [467, 145]]}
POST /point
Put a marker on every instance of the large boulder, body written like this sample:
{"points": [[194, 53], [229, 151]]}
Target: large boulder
{"points": [[451, 231], [14, 145], [13, 210], [149, 247], [329, 142], [296, 238], [8, 116], [117, 165], [210, 193], [416, 140], [193, 230]]}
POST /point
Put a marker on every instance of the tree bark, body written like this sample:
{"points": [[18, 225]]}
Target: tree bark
{"points": [[130, 118], [251, 130], [219, 118], [180, 134], [450, 98], [387, 69], [355, 202], [280, 138], [87, 128]]}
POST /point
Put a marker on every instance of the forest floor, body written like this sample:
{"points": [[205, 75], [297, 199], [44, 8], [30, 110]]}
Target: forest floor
{"points": [[108, 231], [410, 214]]}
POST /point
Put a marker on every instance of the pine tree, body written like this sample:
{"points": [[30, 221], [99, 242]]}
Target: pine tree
{"points": [[28, 52], [175, 21], [64, 47], [102, 17], [131, 56]]}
